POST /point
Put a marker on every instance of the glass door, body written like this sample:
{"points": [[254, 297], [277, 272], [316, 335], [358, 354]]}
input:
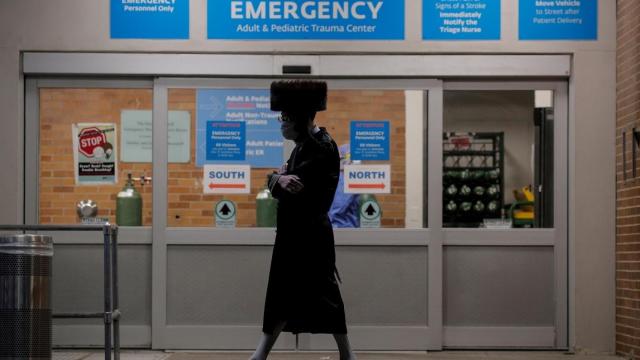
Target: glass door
{"points": [[214, 282], [504, 213], [87, 142]]}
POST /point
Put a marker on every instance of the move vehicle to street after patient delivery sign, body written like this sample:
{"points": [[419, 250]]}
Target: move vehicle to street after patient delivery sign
{"points": [[305, 19], [558, 19]]}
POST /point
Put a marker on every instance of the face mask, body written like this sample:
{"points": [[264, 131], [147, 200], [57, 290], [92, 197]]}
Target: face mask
{"points": [[288, 129]]}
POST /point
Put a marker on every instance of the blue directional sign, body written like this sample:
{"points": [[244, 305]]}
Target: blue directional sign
{"points": [[461, 19], [558, 20], [226, 140], [370, 140], [305, 19], [149, 19], [252, 107]]}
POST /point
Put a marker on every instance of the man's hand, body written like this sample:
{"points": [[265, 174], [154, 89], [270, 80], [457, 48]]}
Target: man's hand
{"points": [[290, 183], [283, 169]]}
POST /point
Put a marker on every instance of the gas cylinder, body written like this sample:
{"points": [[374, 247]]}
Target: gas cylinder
{"points": [[266, 209], [129, 205]]}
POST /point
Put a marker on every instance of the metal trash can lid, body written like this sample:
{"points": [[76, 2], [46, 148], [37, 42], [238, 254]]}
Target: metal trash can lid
{"points": [[27, 244]]}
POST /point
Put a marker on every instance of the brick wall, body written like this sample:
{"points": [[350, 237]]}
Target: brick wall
{"points": [[59, 109], [344, 106], [187, 206], [628, 192]]}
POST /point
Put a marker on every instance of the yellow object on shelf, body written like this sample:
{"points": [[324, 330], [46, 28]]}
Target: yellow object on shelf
{"points": [[522, 211], [523, 195], [523, 215]]}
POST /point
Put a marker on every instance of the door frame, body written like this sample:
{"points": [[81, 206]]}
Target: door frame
{"points": [[77, 334], [392, 70]]}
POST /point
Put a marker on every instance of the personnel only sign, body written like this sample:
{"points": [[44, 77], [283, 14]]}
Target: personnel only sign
{"points": [[227, 179], [367, 179]]}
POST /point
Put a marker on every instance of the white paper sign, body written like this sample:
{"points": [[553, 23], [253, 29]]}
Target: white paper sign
{"points": [[367, 179], [136, 135], [227, 179]]}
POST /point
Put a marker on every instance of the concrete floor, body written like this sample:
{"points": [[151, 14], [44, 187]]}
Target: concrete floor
{"points": [[444, 355]]}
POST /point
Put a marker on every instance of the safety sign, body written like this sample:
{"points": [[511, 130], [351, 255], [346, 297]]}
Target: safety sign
{"points": [[367, 179], [226, 140], [262, 142], [94, 153], [225, 214], [370, 214], [149, 19], [461, 19], [370, 140], [305, 19], [558, 19], [227, 179]]}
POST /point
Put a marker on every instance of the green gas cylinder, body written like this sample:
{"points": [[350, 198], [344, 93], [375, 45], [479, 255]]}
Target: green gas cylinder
{"points": [[266, 209], [129, 205]]}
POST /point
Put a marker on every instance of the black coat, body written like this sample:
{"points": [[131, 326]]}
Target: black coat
{"points": [[303, 288]]}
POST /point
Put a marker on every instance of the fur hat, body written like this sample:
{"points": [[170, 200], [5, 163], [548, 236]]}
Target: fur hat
{"points": [[299, 95]]}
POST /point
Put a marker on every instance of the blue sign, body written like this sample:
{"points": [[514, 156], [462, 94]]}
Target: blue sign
{"points": [[370, 140], [461, 19], [263, 142], [149, 19], [305, 19], [558, 20], [226, 141]]}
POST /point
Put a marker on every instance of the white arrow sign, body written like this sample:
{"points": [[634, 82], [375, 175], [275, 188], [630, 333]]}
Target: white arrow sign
{"points": [[227, 179], [367, 179]]}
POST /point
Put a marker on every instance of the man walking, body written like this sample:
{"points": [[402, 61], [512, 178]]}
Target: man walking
{"points": [[303, 294]]}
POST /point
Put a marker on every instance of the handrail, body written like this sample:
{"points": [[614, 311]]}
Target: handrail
{"points": [[56, 227]]}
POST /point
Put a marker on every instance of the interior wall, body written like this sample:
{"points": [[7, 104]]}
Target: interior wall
{"points": [[58, 191], [189, 207], [493, 111]]}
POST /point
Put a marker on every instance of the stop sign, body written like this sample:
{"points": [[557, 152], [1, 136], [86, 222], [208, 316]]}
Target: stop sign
{"points": [[89, 139]]}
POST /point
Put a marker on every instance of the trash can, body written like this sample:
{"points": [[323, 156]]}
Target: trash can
{"points": [[25, 293]]}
